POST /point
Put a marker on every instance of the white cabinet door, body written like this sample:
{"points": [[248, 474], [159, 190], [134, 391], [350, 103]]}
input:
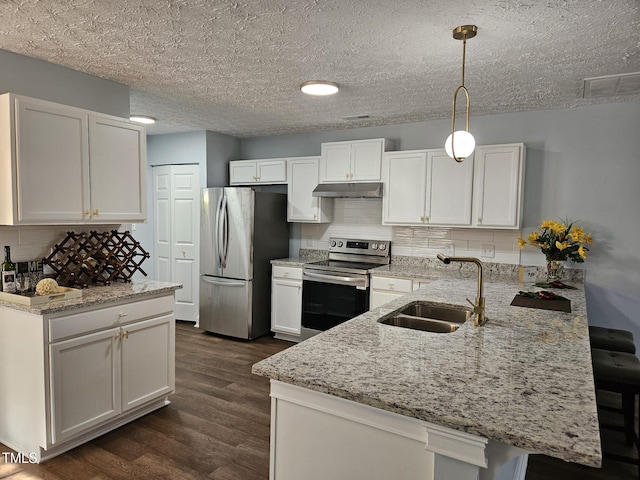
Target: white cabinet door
{"points": [[242, 172], [450, 187], [85, 383], [302, 206], [272, 171], [117, 152], [499, 172], [335, 164], [405, 187], [148, 360], [52, 162], [378, 298], [286, 306], [366, 158]]}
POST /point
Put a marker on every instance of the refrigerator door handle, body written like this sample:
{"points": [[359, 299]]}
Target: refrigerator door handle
{"points": [[222, 284], [225, 232], [218, 247]]}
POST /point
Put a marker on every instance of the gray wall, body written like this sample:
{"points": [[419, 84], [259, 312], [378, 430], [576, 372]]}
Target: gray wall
{"points": [[582, 164], [220, 149], [46, 81]]}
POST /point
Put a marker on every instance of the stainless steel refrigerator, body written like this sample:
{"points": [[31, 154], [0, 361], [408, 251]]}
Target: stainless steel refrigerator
{"points": [[241, 230]]}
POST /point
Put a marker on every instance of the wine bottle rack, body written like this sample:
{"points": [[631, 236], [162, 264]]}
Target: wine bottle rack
{"points": [[93, 258]]}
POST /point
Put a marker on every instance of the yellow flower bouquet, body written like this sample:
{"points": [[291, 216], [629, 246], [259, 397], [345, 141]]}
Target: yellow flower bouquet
{"points": [[559, 241]]}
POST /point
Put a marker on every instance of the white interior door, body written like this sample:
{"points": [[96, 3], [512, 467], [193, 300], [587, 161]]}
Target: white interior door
{"points": [[177, 233], [162, 222], [185, 235]]}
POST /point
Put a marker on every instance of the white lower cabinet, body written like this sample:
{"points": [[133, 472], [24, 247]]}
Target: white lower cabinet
{"points": [[316, 436], [384, 289], [286, 302], [86, 373], [85, 383]]}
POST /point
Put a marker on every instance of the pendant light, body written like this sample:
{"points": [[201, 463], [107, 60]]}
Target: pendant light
{"points": [[460, 144]]}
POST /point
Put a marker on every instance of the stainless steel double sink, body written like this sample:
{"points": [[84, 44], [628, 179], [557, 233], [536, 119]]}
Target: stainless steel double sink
{"points": [[429, 317]]}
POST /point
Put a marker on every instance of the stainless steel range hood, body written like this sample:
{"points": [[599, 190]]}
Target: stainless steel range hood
{"points": [[348, 190]]}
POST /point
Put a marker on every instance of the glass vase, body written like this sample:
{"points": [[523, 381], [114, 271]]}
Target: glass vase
{"points": [[555, 270]]}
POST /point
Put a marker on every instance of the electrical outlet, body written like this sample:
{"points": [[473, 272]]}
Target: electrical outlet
{"points": [[449, 250], [488, 251]]}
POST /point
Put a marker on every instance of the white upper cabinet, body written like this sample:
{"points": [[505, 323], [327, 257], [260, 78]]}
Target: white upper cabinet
{"points": [[65, 165], [248, 172], [405, 187], [449, 185], [498, 182], [356, 161], [118, 176], [425, 187], [302, 206]]}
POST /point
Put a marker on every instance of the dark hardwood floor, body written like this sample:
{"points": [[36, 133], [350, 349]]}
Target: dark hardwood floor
{"points": [[217, 427]]}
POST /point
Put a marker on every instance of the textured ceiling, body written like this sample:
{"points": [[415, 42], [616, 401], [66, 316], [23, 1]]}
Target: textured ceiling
{"points": [[234, 66]]}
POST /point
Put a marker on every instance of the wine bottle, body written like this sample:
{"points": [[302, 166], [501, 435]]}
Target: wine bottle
{"points": [[8, 272]]}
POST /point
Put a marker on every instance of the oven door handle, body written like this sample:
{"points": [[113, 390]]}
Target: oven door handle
{"points": [[358, 282]]}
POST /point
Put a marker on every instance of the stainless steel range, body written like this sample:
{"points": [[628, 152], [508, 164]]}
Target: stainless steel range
{"points": [[337, 289]]}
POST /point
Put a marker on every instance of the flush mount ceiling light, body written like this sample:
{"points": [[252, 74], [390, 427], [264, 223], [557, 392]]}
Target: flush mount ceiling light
{"points": [[460, 144], [319, 87], [146, 119]]}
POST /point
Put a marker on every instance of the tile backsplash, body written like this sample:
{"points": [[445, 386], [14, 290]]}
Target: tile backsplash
{"points": [[35, 242], [361, 218]]}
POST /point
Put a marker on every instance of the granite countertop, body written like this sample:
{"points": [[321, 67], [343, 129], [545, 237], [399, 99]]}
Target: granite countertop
{"points": [[93, 296], [292, 261], [524, 379]]}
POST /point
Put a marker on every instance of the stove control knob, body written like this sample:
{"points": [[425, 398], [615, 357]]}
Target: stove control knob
{"points": [[332, 243], [383, 246], [374, 246], [340, 243]]}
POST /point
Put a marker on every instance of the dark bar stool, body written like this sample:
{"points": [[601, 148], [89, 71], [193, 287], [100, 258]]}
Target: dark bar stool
{"points": [[612, 339], [620, 372]]}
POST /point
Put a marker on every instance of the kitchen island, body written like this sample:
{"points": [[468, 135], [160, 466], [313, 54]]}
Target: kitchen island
{"points": [[75, 369], [368, 400]]}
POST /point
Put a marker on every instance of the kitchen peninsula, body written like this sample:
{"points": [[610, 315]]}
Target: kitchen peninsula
{"points": [[375, 401], [75, 369]]}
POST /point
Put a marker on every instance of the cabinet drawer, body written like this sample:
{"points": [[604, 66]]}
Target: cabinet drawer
{"points": [[392, 284], [292, 273], [108, 317]]}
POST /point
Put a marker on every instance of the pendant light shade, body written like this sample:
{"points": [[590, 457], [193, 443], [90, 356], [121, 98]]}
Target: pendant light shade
{"points": [[464, 145], [460, 144]]}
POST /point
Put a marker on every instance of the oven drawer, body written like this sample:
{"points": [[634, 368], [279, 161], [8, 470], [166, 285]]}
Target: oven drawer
{"points": [[392, 284], [291, 273]]}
